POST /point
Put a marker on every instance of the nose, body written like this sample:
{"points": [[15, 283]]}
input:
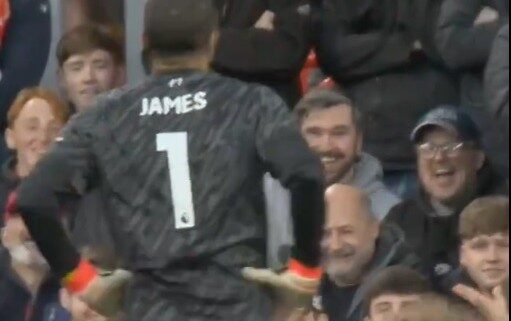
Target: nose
{"points": [[335, 241], [88, 74], [440, 155], [43, 138], [325, 143], [493, 253]]}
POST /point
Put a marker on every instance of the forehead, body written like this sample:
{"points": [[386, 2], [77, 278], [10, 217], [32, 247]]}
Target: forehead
{"points": [[396, 298], [492, 237], [439, 135], [95, 54], [346, 213], [338, 115], [36, 108]]}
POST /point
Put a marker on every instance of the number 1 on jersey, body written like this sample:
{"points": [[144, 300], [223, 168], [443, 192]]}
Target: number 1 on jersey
{"points": [[176, 147]]}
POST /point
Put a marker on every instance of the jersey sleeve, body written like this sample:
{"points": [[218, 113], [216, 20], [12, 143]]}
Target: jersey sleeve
{"points": [[67, 169], [288, 158]]}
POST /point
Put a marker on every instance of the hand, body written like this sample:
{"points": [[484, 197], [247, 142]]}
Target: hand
{"points": [[293, 289], [487, 15], [492, 306], [266, 21], [14, 233]]}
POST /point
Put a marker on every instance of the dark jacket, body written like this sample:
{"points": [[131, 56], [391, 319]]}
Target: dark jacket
{"points": [[24, 55], [497, 98], [497, 77], [273, 58], [8, 183], [391, 250], [433, 237], [370, 48], [466, 47]]}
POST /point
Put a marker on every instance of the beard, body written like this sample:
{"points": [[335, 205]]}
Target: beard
{"points": [[352, 274], [347, 165]]}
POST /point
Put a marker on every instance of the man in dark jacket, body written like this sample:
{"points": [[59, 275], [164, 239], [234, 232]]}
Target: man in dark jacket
{"points": [[497, 98], [383, 55], [465, 34], [265, 42], [453, 171], [497, 77], [355, 249]]}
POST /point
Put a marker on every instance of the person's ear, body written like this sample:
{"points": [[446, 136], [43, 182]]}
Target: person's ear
{"points": [[9, 139], [480, 159]]}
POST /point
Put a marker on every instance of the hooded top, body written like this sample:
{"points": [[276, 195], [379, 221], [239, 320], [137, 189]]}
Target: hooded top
{"points": [[369, 178]]}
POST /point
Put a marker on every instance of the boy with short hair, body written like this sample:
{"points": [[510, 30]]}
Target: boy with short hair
{"points": [[91, 62], [484, 256]]}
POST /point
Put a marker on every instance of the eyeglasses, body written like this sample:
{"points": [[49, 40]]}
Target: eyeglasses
{"points": [[451, 150]]}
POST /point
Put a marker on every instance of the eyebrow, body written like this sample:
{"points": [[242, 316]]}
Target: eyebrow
{"points": [[382, 304]]}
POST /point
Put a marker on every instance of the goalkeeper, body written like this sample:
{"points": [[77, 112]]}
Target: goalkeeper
{"points": [[180, 160]]}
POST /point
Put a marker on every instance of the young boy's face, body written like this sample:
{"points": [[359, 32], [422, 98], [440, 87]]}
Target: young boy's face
{"points": [[389, 307], [486, 259], [84, 76]]}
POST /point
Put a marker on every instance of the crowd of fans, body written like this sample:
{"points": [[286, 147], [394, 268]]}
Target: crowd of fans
{"points": [[405, 103]]}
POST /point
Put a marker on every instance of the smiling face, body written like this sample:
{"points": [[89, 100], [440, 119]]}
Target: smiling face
{"points": [[85, 76], [332, 134], [389, 307], [350, 235], [486, 259], [447, 167], [32, 132]]}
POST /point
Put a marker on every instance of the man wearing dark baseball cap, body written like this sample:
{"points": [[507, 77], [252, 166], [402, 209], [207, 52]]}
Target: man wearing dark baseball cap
{"points": [[179, 160], [453, 171], [451, 119]]}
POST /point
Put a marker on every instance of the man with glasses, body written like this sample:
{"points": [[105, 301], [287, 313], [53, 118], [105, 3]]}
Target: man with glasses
{"points": [[453, 170]]}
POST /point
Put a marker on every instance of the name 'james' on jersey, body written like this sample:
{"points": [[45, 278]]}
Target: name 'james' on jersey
{"points": [[180, 161]]}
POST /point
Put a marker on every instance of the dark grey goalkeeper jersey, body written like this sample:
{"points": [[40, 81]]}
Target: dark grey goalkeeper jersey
{"points": [[180, 161]]}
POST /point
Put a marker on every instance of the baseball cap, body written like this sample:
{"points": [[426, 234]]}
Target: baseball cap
{"points": [[450, 118], [179, 25]]}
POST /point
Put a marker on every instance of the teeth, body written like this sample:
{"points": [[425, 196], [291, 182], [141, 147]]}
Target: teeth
{"points": [[443, 172], [328, 159]]}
